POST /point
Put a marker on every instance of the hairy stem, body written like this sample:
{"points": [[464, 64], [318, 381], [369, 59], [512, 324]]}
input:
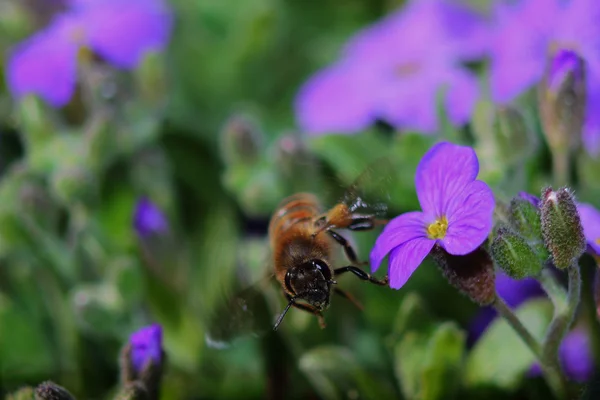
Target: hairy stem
{"points": [[551, 372], [563, 317], [553, 289]]}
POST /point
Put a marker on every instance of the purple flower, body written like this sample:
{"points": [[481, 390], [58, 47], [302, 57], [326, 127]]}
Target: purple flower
{"points": [[590, 220], [531, 30], [148, 219], [120, 31], [457, 213], [384, 73], [146, 344]]}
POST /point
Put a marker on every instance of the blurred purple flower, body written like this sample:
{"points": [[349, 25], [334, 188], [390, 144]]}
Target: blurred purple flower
{"points": [[394, 71], [530, 31], [148, 219], [120, 31], [146, 344], [457, 213], [590, 219]]}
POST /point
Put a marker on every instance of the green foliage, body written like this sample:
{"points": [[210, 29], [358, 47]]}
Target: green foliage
{"points": [[500, 358], [428, 355]]}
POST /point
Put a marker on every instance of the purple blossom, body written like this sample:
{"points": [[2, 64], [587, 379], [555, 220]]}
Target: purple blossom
{"points": [[148, 219], [120, 31], [590, 220], [146, 345], [528, 32], [457, 213], [384, 73]]}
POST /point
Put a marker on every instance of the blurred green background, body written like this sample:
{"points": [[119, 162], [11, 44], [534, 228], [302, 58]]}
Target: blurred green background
{"points": [[206, 131]]}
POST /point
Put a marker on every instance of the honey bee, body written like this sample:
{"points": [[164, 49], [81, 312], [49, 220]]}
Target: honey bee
{"points": [[302, 240]]}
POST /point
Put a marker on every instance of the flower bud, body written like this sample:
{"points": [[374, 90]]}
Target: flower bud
{"points": [[563, 99], [525, 218], [148, 219], [241, 140], [143, 359], [513, 136], [561, 227], [472, 274], [51, 391], [511, 252]]}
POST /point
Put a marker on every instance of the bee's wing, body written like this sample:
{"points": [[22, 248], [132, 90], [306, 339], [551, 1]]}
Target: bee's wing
{"points": [[369, 194], [245, 313]]}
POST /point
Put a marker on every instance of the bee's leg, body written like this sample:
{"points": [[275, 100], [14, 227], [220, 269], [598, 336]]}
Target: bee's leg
{"points": [[365, 222], [308, 308], [361, 274], [348, 296], [350, 253]]}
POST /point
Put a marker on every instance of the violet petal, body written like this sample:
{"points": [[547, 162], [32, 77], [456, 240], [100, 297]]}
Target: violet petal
{"points": [[146, 344], [122, 32], [590, 220], [405, 259], [45, 64], [337, 99], [469, 218], [443, 173], [398, 231]]}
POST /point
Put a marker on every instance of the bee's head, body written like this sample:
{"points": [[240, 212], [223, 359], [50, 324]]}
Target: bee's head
{"points": [[311, 281]]}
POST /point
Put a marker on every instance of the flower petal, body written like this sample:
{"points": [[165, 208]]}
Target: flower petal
{"points": [[576, 355], [590, 220], [470, 218], [591, 127], [122, 32], [520, 46], [398, 231], [462, 94], [443, 173], [405, 259], [45, 64], [338, 99]]}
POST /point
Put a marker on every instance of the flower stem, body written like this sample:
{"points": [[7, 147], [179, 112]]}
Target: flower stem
{"points": [[560, 166], [553, 289], [551, 373], [563, 317]]}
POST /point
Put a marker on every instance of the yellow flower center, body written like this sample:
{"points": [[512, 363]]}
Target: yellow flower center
{"points": [[438, 228], [598, 241]]}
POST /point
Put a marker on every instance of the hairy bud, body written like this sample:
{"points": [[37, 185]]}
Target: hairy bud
{"points": [[562, 99], [513, 254], [51, 391], [241, 140], [472, 274], [561, 227]]}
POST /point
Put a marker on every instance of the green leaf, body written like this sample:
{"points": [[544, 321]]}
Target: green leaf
{"points": [[427, 363], [25, 350], [500, 358], [334, 372]]}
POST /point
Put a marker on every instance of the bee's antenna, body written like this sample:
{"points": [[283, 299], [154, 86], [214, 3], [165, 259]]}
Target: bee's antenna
{"points": [[285, 310]]}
